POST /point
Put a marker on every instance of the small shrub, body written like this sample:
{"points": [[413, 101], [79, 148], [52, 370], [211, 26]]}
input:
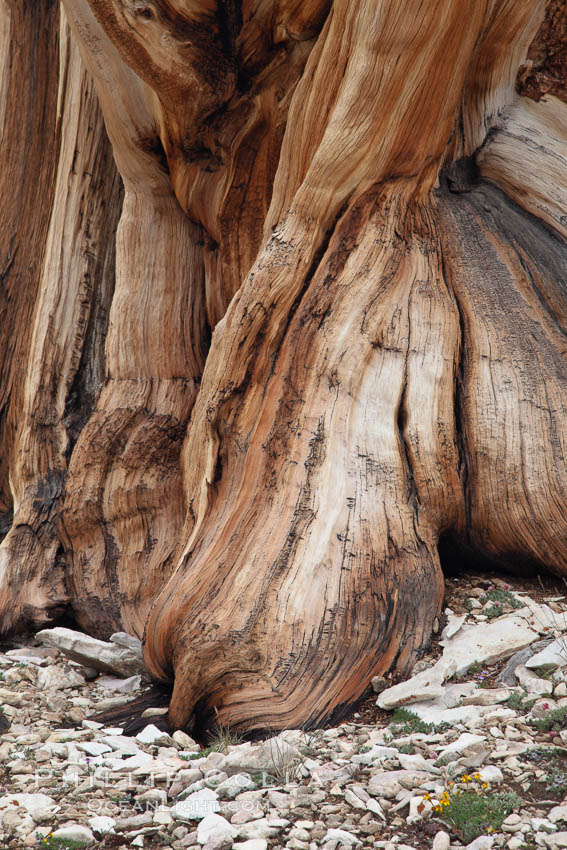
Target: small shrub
{"points": [[309, 746], [406, 749], [220, 738], [404, 722], [286, 765], [542, 755], [556, 781], [553, 761], [48, 842], [554, 721], [354, 769], [493, 611], [520, 702], [503, 597], [471, 811]]}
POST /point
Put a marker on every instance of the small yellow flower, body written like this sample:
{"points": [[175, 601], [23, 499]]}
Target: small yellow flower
{"points": [[466, 778], [484, 786]]}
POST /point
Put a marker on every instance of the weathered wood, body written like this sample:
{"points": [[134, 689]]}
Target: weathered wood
{"points": [[312, 560], [544, 70], [63, 279], [28, 117], [336, 337]]}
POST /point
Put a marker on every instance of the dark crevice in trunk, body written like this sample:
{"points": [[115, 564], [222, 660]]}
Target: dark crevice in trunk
{"points": [[461, 176], [89, 377], [459, 396], [401, 423], [457, 555], [6, 519]]}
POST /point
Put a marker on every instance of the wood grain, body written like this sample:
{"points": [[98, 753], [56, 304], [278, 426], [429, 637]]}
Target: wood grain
{"points": [[328, 337]]}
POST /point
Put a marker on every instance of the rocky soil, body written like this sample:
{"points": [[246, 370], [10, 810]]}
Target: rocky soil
{"points": [[471, 751]]}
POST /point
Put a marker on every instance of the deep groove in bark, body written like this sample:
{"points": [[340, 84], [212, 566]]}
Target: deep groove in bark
{"points": [[459, 388], [401, 420]]}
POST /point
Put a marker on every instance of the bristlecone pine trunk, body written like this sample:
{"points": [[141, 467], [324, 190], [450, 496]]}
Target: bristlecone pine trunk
{"points": [[283, 316]]}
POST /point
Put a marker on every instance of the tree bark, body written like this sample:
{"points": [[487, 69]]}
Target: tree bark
{"points": [[58, 258], [328, 344]]}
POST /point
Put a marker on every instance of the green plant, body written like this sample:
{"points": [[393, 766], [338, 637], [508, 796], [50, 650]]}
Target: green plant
{"points": [[494, 611], [286, 765], [49, 842], [519, 701], [503, 597], [548, 675], [542, 755], [354, 770], [406, 749], [483, 679], [553, 720], [471, 811], [404, 722], [220, 738], [263, 780], [309, 746], [556, 781], [553, 761]]}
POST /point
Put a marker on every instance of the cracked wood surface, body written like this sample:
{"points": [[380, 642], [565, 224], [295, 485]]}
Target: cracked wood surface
{"points": [[335, 337]]}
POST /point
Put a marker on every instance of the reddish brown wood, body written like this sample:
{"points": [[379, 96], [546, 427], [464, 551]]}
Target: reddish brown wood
{"points": [[335, 337]]}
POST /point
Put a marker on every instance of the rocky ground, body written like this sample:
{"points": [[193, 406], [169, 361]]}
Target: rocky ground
{"points": [[471, 751]]}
